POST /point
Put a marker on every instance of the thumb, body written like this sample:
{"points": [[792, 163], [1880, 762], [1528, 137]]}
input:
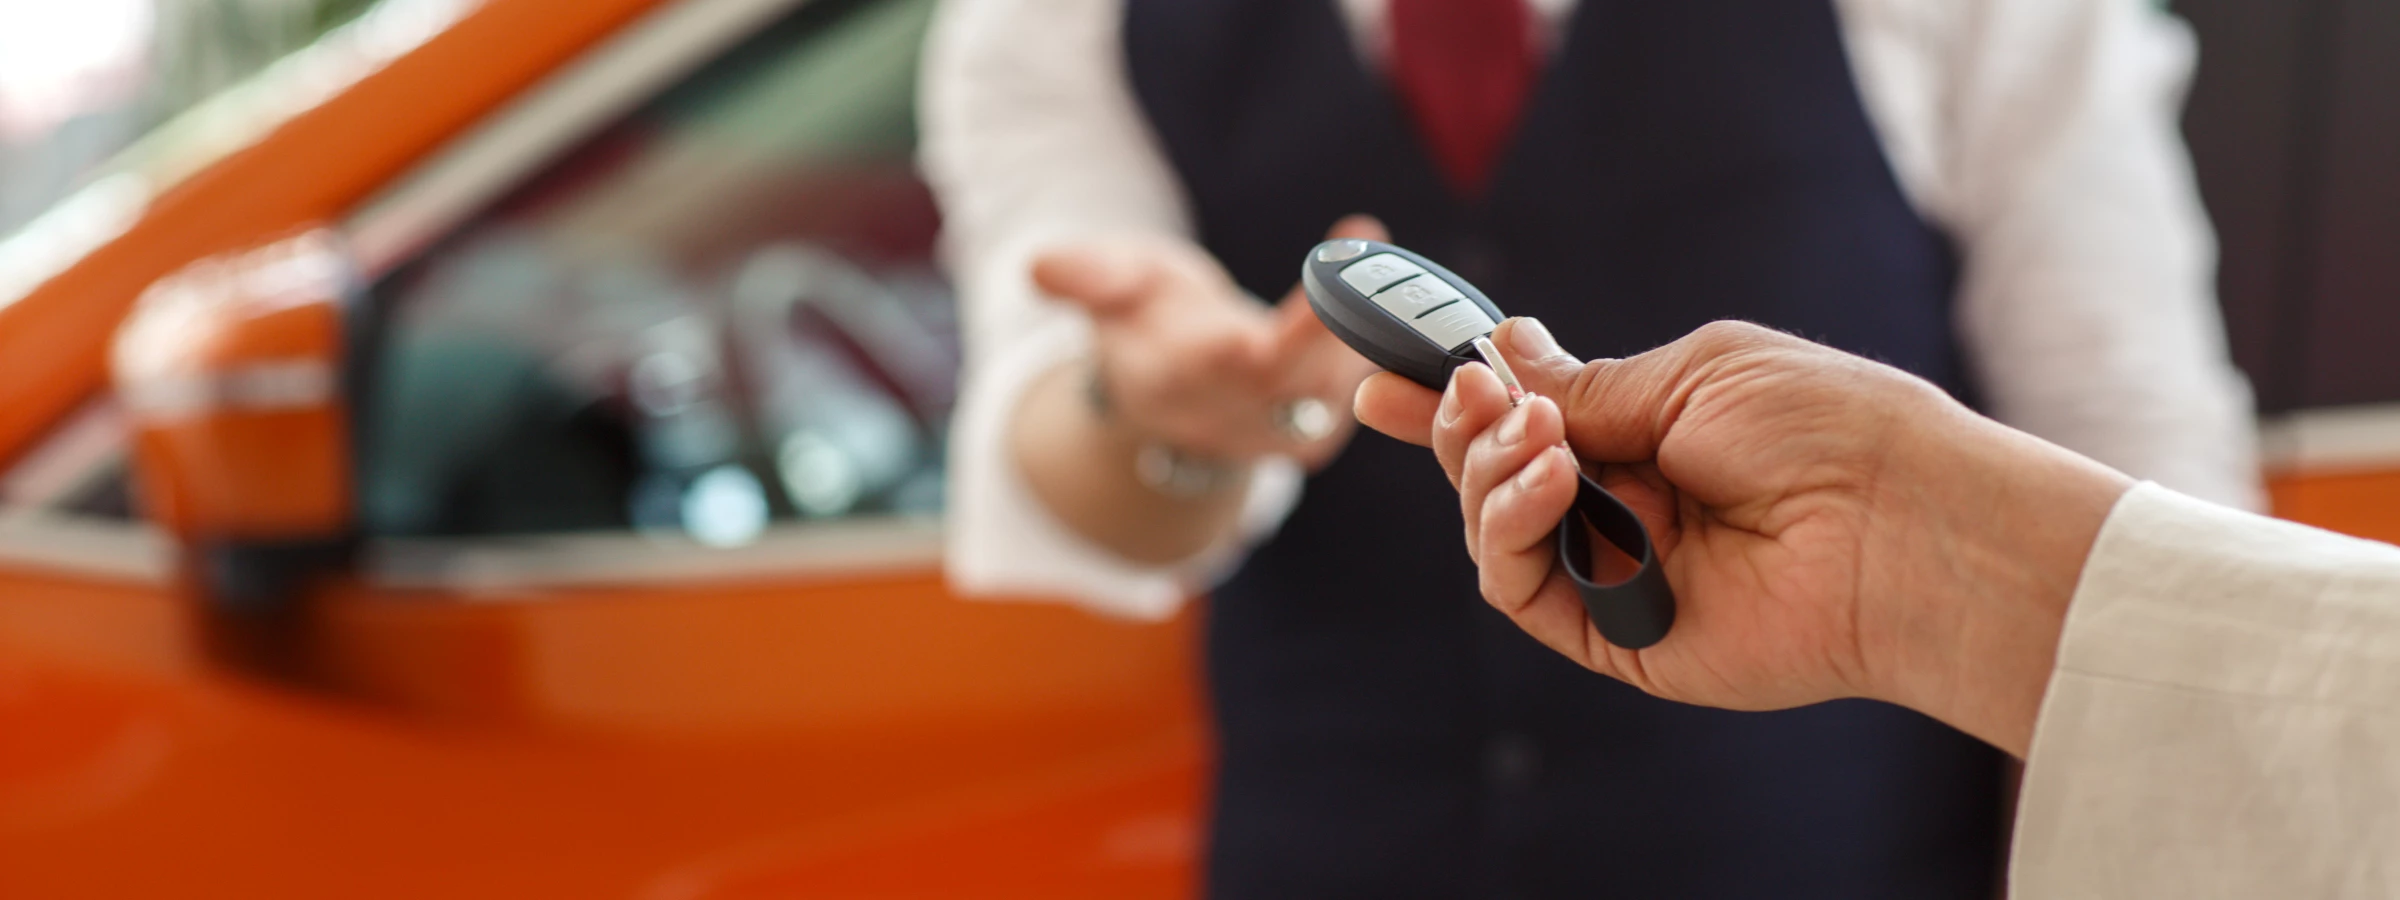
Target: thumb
{"points": [[1616, 410], [1295, 322], [1100, 277], [1540, 365]]}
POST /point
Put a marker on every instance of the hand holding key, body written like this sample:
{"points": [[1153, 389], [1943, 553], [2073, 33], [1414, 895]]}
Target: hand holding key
{"points": [[1418, 320], [1832, 527]]}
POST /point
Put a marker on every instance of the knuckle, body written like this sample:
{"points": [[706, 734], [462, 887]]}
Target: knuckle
{"points": [[1218, 356], [1471, 465], [1584, 390], [1727, 334]]}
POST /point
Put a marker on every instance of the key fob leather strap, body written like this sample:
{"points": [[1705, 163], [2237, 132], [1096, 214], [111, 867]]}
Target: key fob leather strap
{"points": [[1633, 613]]}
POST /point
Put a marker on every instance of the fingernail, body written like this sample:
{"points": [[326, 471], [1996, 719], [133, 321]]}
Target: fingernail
{"points": [[1532, 340], [1536, 473], [1512, 427], [1450, 402]]}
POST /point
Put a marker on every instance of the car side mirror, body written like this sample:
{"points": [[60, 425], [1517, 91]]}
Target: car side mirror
{"points": [[230, 371]]}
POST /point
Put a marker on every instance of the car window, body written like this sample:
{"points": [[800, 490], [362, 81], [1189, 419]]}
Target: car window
{"points": [[77, 470], [716, 314]]}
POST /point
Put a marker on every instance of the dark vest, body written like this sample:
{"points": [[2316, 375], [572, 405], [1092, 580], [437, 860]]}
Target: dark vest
{"points": [[1382, 732]]}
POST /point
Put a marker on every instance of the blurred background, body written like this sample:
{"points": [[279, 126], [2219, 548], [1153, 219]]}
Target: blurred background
{"points": [[2293, 121], [526, 469], [85, 80]]}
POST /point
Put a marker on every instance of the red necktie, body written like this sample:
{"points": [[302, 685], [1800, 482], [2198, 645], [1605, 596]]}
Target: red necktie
{"points": [[1464, 69]]}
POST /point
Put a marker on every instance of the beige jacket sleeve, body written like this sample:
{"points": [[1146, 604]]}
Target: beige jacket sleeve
{"points": [[2224, 720]]}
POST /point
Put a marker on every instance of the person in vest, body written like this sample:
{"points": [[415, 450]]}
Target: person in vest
{"points": [[1987, 193]]}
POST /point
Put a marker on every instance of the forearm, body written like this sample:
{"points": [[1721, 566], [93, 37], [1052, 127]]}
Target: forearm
{"points": [[1083, 469]]}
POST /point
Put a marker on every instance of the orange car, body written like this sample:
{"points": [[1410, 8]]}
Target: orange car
{"points": [[519, 476], [497, 453]]}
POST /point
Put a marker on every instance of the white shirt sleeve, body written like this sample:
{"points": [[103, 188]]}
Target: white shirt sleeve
{"points": [[2224, 716], [1031, 138], [2042, 134]]}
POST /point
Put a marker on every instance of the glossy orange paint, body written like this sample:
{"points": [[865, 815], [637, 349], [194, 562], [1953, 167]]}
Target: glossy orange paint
{"points": [[228, 370], [745, 657], [83, 624], [2361, 503], [312, 168], [869, 739]]}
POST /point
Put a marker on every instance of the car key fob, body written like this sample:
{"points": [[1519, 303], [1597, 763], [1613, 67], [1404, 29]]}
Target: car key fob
{"points": [[1409, 315]]}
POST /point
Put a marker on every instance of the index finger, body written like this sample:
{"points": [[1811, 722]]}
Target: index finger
{"points": [[1102, 277], [1474, 401], [1397, 407]]}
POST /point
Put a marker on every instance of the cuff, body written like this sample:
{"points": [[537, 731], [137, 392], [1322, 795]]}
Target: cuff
{"points": [[1004, 544], [2217, 723]]}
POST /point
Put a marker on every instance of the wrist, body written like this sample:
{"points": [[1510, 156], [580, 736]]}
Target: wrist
{"points": [[1082, 470], [1157, 464], [2013, 520]]}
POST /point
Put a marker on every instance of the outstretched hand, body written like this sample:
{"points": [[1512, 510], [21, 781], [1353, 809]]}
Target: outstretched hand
{"points": [[1187, 360]]}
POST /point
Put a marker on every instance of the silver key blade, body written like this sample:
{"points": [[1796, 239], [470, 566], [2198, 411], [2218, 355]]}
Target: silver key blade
{"points": [[1508, 378]]}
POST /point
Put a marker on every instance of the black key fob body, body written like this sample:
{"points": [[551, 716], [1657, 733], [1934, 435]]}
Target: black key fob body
{"points": [[1411, 316], [1399, 310]]}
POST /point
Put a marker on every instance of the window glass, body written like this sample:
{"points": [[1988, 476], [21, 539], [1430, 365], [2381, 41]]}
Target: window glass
{"points": [[78, 469], [715, 315], [91, 88]]}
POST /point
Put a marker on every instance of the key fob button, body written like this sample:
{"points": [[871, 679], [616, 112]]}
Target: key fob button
{"points": [[1418, 296], [1455, 325], [1377, 272]]}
